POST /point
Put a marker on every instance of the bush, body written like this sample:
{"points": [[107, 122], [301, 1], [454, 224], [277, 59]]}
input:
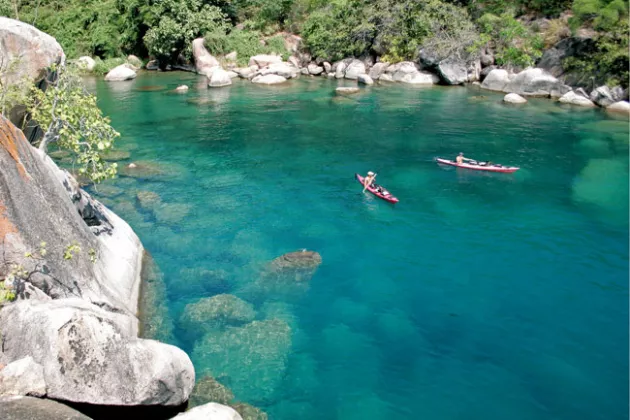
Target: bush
{"points": [[245, 43], [104, 66]]}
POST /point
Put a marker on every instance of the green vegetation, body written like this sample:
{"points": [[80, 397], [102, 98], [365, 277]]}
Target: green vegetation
{"points": [[392, 29]]}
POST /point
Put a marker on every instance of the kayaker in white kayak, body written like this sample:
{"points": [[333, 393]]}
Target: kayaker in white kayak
{"points": [[368, 180]]}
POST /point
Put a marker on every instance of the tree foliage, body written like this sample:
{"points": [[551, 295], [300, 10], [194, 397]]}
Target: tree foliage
{"points": [[69, 116]]}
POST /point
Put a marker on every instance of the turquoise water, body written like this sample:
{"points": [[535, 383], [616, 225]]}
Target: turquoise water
{"points": [[478, 296]]}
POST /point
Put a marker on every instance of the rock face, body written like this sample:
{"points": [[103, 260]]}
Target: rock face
{"points": [[270, 79], [120, 74], [553, 60], [88, 356], [264, 60], [513, 98], [23, 377], [354, 69], [622, 107], [87, 63], [22, 408], [203, 59], [496, 80], [575, 99], [453, 72], [602, 96], [210, 411], [33, 50], [219, 78]]}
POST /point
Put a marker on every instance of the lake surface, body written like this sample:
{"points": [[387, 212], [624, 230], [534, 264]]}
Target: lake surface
{"points": [[477, 296]]}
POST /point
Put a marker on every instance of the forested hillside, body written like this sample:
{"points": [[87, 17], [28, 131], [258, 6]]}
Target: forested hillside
{"points": [[517, 32]]}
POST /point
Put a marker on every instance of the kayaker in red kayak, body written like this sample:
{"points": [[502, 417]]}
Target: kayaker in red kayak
{"points": [[461, 159], [368, 180]]}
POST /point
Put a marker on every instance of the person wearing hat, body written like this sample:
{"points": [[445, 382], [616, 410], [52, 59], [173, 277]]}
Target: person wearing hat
{"points": [[461, 159], [368, 180]]}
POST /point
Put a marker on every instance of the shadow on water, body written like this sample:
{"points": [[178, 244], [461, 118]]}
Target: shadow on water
{"points": [[108, 412]]}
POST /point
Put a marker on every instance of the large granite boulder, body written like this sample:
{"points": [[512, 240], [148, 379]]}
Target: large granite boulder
{"points": [[86, 63], [365, 79], [513, 98], [575, 99], [210, 411], [219, 78], [408, 72], [23, 377], [120, 74], [453, 71], [340, 69], [216, 311], [534, 82], [32, 51], [286, 70], [496, 80], [88, 355], [377, 70], [264, 60], [269, 79], [602, 96], [203, 59], [354, 69], [314, 69], [39, 202], [622, 107], [29, 408]]}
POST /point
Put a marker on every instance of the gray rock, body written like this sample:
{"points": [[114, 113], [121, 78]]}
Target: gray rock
{"points": [[88, 355], [513, 98], [473, 69], [602, 96], [575, 99], [120, 74], [314, 69], [134, 61], [619, 93], [496, 80], [420, 78], [386, 77], [294, 61], [401, 70], [32, 51], [23, 377], [86, 63], [452, 71], [327, 67], [203, 59], [244, 73], [210, 411], [206, 390], [486, 60], [153, 65], [377, 70], [622, 107], [156, 322], [428, 59], [533, 82], [340, 69], [304, 71], [264, 60], [365, 79], [270, 79], [282, 69], [354, 69], [582, 93], [29, 408], [220, 78], [553, 59], [485, 72]]}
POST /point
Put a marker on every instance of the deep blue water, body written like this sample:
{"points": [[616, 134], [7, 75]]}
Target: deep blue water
{"points": [[478, 296]]}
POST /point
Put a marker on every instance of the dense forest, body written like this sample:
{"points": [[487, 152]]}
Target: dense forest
{"points": [[517, 32]]}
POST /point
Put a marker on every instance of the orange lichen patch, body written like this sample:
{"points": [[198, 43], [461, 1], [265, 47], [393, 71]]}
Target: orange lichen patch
{"points": [[6, 226], [9, 134]]}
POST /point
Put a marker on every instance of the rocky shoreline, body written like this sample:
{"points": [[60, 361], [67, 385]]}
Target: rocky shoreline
{"points": [[550, 80]]}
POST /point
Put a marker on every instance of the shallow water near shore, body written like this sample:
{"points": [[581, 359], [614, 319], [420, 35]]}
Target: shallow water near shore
{"points": [[477, 296]]}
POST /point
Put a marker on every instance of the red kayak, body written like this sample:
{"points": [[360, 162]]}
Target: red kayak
{"points": [[381, 192], [479, 167]]}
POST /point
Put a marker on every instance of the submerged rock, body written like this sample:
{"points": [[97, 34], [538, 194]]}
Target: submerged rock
{"points": [[116, 155], [262, 346], [182, 89], [249, 412], [171, 214], [296, 261], [210, 411], [216, 312], [206, 390], [148, 199], [347, 90], [155, 320]]}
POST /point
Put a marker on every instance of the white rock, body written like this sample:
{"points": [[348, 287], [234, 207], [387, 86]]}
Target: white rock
{"points": [[496, 80], [340, 71], [514, 98], [86, 63], [354, 69], [264, 60], [347, 90], [400, 71], [535, 82], [385, 77], [314, 69], [182, 88], [420, 78], [210, 411], [330, 75], [220, 78], [365, 79], [327, 67], [283, 69], [602, 96], [269, 79], [232, 74], [203, 59], [23, 377], [295, 61], [378, 69], [120, 73], [575, 99], [621, 107]]}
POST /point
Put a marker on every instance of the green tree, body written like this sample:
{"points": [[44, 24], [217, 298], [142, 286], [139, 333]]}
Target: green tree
{"points": [[70, 118]]}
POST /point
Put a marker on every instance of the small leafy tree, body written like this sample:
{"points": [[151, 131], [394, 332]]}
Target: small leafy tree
{"points": [[70, 117]]}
